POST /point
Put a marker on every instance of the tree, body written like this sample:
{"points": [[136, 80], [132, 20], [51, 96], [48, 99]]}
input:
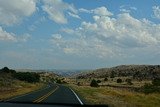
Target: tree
{"points": [[94, 83], [119, 80], [5, 69]]}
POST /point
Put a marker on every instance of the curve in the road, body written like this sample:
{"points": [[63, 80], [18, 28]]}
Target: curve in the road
{"points": [[53, 93], [45, 96]]}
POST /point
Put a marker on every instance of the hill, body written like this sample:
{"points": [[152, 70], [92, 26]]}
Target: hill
{"points": [[11, 83], [135, 71]]}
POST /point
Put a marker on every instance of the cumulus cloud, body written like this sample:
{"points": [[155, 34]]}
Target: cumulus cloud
{"points": [[108, 37], [82, 47], [56, 10], [12, 12], [101, 11], [156, 11]]}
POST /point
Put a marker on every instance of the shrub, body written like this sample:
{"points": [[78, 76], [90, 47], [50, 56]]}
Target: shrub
{"points": [[105, 79], [119, 80], [149, 88], [112, 74], [30, 77], [156, 81], [59, 81], [94, 83], [78, 83], [7, 70], [129, 81], [98, 81]]}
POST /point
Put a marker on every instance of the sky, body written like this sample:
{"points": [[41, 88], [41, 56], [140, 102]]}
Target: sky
{"points": [[78, 34]]}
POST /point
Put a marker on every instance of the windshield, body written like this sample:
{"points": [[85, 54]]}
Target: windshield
{"points": [[82, 52]]}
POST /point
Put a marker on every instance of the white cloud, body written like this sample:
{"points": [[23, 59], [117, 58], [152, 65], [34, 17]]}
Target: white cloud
{"points": [[12, 12], [84, 10], [74, 15], [24, 37], [133, 8], [127, 31], [5, 36], [83, 47], [156, 11], [127, 8], [67, 30], [108, 37], [35, 24], [57, 36], [56, 10], [101, 11]]}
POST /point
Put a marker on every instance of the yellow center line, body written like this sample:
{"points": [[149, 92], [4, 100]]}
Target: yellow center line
{"points": [[45, 96]]}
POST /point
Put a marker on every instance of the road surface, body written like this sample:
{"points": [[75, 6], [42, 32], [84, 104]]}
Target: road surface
{"points": [[53, 93]]}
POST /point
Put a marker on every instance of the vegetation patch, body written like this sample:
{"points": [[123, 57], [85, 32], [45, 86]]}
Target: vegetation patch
{"points": [[116, 97], [14, 83]]}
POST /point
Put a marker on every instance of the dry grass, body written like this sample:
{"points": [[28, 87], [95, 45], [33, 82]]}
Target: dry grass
{"points": [[111, 81], [18, 88], [116, 97]]}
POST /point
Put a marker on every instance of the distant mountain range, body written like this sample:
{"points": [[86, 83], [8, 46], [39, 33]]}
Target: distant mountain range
{"points": [[61, 72], [136, 71]]}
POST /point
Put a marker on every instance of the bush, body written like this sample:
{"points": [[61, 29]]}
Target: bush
{"points": [[119, 80], [7, 70], [98, 81], [156, 81], [149, 88], [129, 81], [30, 77], [112, 74], [105, 79], [78, 83], [94, 83], [59, 81]]}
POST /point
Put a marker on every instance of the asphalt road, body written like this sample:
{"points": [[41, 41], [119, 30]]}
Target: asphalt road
{"points": [[52, 93]]}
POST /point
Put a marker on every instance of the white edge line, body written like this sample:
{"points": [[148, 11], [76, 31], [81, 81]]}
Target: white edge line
{"points": [[77, 97], [27, 94]]}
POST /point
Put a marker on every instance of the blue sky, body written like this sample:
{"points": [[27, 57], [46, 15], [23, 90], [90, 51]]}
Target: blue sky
{"points": [[78, 34]]}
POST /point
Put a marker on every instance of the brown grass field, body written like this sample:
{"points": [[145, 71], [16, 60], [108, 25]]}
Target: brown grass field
{"points": [[18, 88], [116, 97]]}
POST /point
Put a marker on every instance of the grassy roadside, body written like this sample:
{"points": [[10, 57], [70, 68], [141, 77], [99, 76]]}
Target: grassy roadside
{"points": [[18, 89], [116, 97]]}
